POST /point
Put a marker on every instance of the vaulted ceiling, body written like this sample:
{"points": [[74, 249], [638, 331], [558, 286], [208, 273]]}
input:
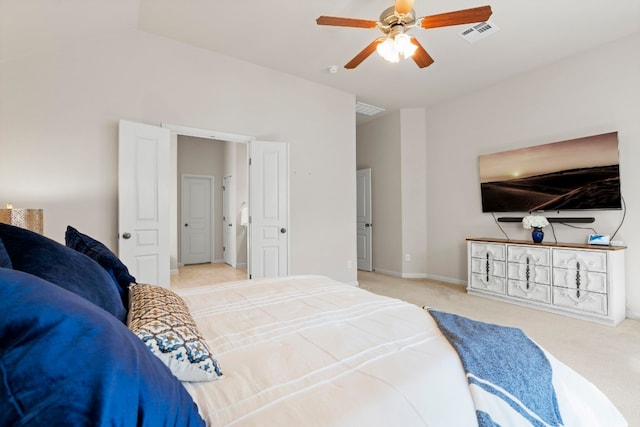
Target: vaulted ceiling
{"points": [[283, 35]]}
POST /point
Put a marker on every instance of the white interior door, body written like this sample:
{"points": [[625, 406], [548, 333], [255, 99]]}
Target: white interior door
{"points": [[269, 209], [197, 219], [364, 220], [143, 201], [228, 222]]}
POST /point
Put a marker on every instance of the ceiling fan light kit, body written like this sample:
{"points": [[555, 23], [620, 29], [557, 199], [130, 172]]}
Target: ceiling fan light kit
{"points": [[395, 21]]}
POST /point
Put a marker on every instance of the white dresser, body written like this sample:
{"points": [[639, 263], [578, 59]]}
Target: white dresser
{"points": [[582, 281]]}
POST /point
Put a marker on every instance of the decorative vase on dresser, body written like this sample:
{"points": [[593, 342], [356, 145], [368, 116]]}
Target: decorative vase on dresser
{"points": [[582, 281], [537, 234]]}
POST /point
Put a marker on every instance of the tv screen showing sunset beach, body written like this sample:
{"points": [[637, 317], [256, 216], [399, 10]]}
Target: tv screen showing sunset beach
{"points": [[575, 174]]}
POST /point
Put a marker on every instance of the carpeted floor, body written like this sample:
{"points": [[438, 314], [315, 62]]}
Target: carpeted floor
{"points": [[607, 356]]}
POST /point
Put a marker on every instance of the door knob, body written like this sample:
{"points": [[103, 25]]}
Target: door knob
{"points": [[283, 230], [126, 235], [186, 225]]}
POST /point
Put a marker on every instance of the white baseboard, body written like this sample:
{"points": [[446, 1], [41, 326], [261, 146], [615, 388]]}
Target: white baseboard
{"points": [[447, 279], [414, 276], [387, 272], [632, 315], [421, 276]]}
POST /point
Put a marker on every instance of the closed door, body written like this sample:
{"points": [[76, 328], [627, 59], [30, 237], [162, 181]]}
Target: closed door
{"points": [[364, 225], [197, 213], [143, 201]]}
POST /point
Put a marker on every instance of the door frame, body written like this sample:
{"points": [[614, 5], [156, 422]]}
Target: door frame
{"points": [[212, 219], [173, 196]]}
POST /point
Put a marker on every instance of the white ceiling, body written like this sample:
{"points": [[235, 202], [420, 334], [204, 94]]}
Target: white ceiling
{"points": [[283, 35]]}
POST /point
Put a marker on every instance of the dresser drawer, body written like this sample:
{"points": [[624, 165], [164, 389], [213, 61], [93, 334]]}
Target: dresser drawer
{"points": [[580, 279], [495, 285], [580, 260], [530, 254], [488, 251], [529, 273], [588, 302], [488, 267], [534, 291]]}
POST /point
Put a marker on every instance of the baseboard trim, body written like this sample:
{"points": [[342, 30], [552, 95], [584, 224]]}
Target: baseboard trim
{"points": [[414, 276], [632, 315], [387, 272], [447, 279]]}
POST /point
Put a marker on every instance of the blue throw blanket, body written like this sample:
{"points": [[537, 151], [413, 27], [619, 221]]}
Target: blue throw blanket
{"points": [[509, 376]]}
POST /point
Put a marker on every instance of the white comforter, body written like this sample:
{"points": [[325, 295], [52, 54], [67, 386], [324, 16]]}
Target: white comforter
{"points": [[310, 351]]}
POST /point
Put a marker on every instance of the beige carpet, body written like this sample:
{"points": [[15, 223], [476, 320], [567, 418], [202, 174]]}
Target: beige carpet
{"points": [[607, 356]]}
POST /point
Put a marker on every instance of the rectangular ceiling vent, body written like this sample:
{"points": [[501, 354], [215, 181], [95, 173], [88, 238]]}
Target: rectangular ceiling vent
{"points": [[368, 110], [479, 31]]}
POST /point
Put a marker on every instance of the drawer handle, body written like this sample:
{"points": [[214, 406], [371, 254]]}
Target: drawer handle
{"points": [[578, 279], [487, 267], [527, 273]]}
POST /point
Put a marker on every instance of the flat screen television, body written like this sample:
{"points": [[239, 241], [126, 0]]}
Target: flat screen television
{"points": [[577, 174]]}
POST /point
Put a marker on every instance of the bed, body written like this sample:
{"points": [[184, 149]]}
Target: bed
{"points": [[300, 350]]}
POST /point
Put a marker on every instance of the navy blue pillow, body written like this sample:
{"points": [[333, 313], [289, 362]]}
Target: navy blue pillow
{"points": [[64, 361], [98, 252], [33, 253], [5, 261]]}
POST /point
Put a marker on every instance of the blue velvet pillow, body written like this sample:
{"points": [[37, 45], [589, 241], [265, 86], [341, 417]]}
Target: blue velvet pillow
{"points": [[32, 253], [98, 252], [64, 361], [5, 261]]}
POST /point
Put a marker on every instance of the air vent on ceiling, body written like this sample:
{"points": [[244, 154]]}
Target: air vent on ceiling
{"points": [[479, 31], [367, 110]]}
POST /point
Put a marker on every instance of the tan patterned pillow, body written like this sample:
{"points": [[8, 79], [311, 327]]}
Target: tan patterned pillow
{"points": [[161, 319]]}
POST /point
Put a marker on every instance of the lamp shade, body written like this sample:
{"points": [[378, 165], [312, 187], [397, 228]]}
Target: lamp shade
{"points": [[387, 50], [404, 6], [31, 219]]}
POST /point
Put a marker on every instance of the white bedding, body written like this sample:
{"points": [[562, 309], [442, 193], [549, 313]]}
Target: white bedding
{"points": [[307, 350]]}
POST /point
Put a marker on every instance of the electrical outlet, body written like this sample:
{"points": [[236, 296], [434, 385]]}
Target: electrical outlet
{"points": [[407, 257], [349, 265]]}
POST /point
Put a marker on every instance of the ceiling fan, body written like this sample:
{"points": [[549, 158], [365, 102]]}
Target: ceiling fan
{"points": [[395, 22]]}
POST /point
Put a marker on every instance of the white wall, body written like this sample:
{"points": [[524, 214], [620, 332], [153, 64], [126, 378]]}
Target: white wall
{"points": [[594, 92], [414, 195], [59, 112]]}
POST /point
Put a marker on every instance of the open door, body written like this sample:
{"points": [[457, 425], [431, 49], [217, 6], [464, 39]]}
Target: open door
{"points": [[364, 225], [143, 201], [228, 224], [268, 209]]}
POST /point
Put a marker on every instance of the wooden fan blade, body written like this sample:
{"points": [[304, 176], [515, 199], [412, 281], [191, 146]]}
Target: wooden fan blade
{"points": [[421, 57], [465, 16], [404, 6], [364, 54], [345, 22]]}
